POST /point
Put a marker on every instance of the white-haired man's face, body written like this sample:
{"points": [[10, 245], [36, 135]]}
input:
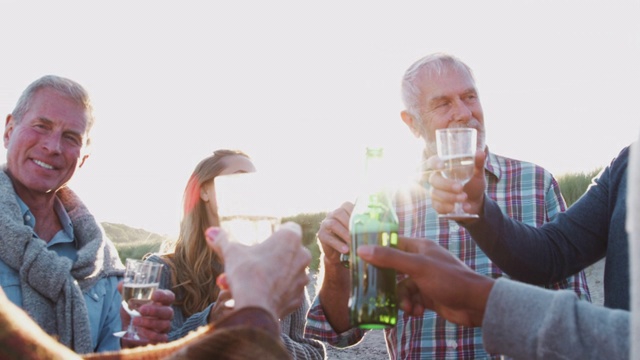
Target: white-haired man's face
{"points": [[447, 100]]}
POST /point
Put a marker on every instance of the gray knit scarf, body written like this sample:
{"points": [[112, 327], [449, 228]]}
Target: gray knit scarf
{"points": [[52, 286]]}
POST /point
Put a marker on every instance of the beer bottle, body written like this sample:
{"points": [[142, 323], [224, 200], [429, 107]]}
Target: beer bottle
{"points": [[372, 303]]}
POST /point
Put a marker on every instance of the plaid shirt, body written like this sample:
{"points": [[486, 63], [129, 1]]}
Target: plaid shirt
{"points": [[525, 192]]}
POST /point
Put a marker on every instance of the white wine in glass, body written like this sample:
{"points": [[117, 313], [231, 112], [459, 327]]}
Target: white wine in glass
{"points": [[457, 148], [141, 279], [136, 295], [458, 168]]}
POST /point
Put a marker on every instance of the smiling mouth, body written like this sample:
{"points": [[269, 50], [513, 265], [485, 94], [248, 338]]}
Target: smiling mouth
{"points": [[43, 164]]}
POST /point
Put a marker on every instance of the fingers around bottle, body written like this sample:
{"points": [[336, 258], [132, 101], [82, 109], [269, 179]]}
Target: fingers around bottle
{"points": [[343, 213], [334, 234], [386, 257]]}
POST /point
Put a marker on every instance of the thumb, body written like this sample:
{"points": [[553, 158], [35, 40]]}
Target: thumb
{"points": [[222, 282], [480, 158], [386, 257], [293, 227], [217, 240]]}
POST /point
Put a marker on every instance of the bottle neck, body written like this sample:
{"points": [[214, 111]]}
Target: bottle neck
{"points": [[375, 195]]}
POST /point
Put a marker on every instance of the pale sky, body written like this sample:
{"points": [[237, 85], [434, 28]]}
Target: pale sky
{"points": [[304, 86]]}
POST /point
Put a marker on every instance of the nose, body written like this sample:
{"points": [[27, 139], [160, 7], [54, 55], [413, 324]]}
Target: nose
{"points": [[52, 143], [460, 111]]}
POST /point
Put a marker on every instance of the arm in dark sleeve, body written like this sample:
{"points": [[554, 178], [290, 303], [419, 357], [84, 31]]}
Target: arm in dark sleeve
{"points": [[574, 240]]}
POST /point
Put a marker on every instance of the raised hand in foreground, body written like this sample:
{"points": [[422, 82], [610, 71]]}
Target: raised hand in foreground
{"points": [[437, 280], [271, 275]]}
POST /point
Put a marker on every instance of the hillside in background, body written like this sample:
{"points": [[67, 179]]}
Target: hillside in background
{"points": [[132, 242], [122, 234]]}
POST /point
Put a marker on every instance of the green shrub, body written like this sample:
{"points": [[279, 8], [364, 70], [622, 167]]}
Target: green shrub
{"points": [[132, 243], [574, 185], [136, 250], [310, 223]]}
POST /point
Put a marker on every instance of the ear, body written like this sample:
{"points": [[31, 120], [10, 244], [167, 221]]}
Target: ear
{"points": [[411, 122], [204, 195], [8, 129], [84, 158]]}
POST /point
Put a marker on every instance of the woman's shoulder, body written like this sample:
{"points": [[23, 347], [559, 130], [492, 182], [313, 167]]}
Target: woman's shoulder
{"points": [[164, 259]]}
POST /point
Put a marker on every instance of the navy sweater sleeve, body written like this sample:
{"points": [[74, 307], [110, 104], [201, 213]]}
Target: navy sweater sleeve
{"points": [[574, 239]]}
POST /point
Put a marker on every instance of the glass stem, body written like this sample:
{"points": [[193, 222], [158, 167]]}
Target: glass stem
{"points": [[457, 208], [131, 329]]}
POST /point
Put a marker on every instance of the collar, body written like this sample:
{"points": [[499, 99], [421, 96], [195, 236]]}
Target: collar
{"points": [[492, 164], [65, 220]]}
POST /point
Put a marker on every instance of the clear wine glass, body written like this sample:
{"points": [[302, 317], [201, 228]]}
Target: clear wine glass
{"points": [[457, 148], [141, 279], [247, 207]]}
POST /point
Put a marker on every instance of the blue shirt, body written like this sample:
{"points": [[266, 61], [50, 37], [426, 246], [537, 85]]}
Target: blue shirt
{"points": [[102, 300]]}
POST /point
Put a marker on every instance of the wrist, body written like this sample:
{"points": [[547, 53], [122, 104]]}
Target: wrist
{"points": [[480, 290], [257, 302], [251, 316]]}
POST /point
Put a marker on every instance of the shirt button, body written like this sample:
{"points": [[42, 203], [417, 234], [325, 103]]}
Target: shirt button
{"points": [[95, 297], [27, 217], [454, 226]]}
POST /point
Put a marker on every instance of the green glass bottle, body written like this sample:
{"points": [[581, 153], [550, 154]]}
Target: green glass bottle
{"points": [[373, 303]]}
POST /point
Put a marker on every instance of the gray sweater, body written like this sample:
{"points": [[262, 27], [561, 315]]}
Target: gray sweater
{"points": [[527, 322]]}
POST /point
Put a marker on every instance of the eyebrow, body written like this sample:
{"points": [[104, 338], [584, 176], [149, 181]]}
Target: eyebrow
{"points": [[441, 97], [71, 131], [44, 119]]}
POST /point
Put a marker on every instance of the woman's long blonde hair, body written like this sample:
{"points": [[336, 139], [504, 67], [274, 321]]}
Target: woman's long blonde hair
{"points": [[195, 267]]}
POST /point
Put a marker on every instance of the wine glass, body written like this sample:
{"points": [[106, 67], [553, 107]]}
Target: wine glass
{"points": [[141, 279], [457, 148], [247, 207]]}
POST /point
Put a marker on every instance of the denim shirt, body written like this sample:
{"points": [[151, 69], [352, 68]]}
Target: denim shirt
{"points": [[102, 300]]}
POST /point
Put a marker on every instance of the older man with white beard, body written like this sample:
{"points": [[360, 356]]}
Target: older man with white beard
{"points": [[438, 91]]}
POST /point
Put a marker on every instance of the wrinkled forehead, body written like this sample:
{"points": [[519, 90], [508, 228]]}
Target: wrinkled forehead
{"points": [[441, 69], [444, 82]]}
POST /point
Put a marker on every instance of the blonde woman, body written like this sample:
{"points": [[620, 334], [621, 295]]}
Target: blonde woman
{"points": [[192, 268]]}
